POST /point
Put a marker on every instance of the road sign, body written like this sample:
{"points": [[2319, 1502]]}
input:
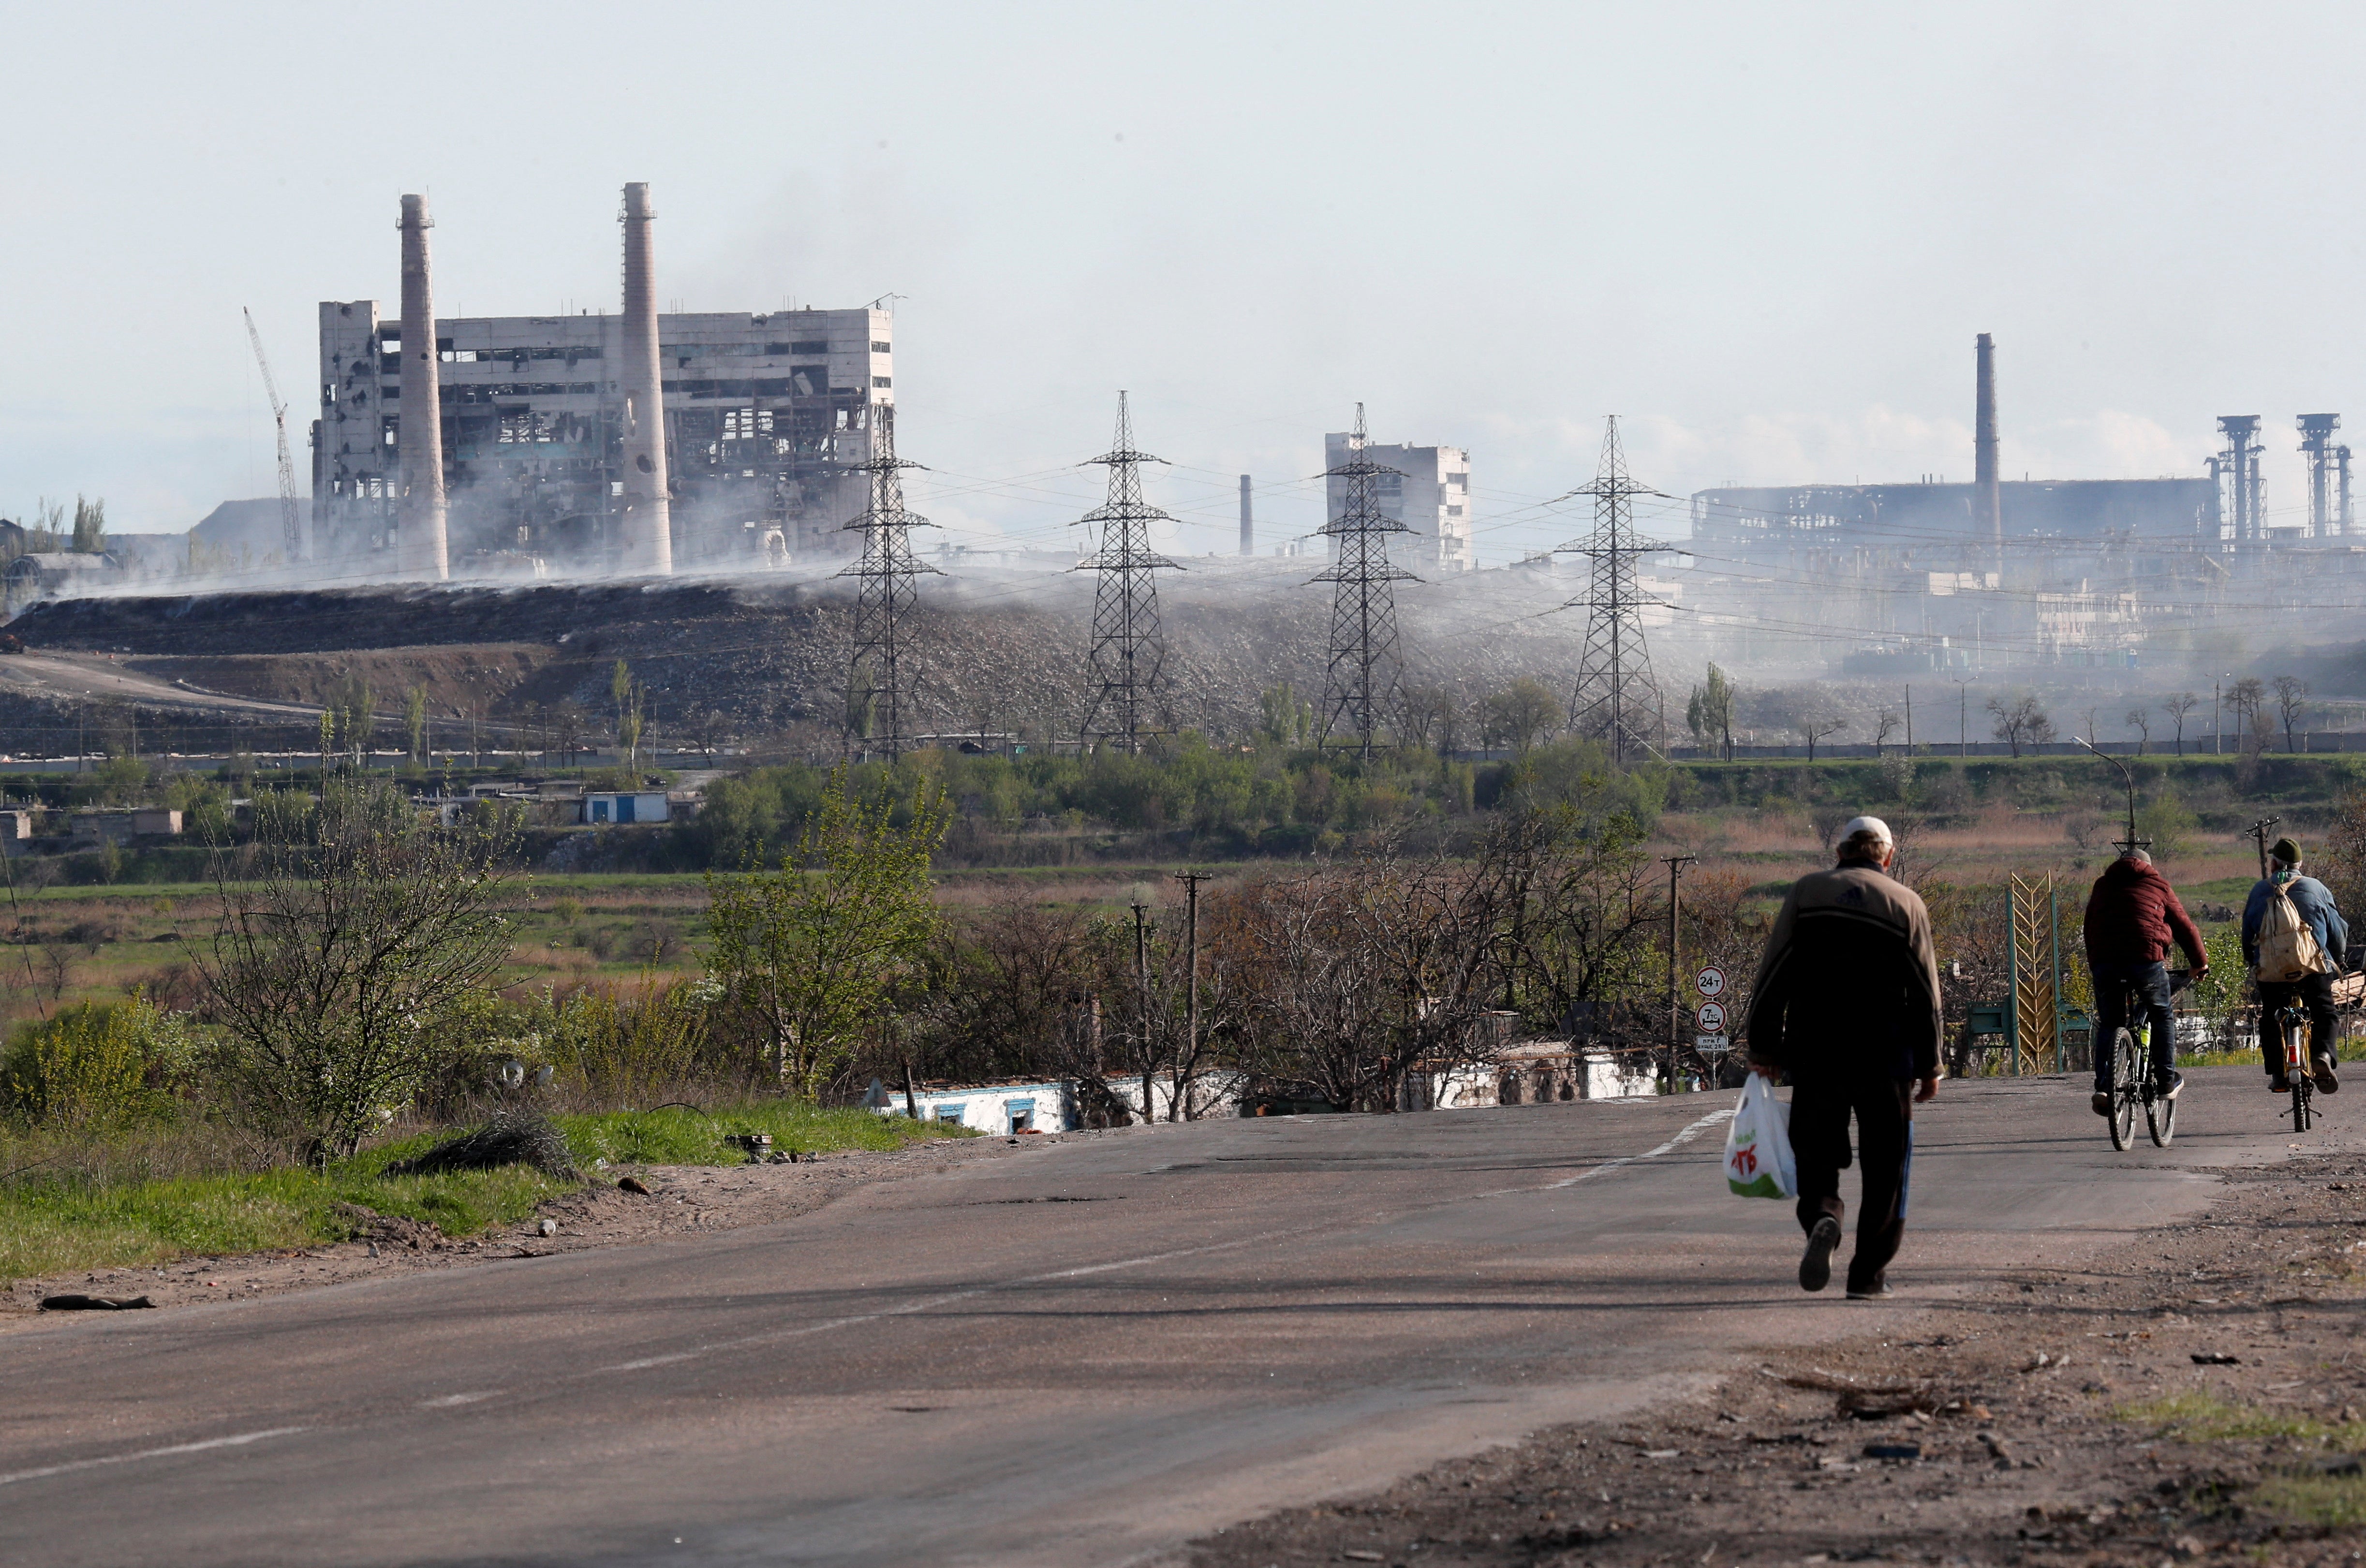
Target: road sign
{"points": [[1711, 981], [1711, 1045], [1712, 1018]]}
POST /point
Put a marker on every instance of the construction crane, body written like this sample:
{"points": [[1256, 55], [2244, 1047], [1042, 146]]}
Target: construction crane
{"points": [[290, 521]]}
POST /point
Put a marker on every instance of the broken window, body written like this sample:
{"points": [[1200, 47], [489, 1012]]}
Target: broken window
{"points": [[880, 348], [882, 381], [746, 424], [821, 347]]}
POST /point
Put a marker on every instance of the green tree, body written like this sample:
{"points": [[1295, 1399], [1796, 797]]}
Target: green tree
{"points": [[1283, 719], [631, 723], [1709, 714], [810, 953], [89, 526], [353, 930], [415, 724], [620, 690], [1520, 715]]}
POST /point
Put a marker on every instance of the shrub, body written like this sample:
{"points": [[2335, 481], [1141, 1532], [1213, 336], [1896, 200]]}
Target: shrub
{"points": [[97, 1064]]}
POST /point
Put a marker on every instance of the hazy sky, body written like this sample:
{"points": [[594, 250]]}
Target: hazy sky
{"points": [[1764, 235]]}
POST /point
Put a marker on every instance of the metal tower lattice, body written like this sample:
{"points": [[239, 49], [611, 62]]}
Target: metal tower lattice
{"points": [[1128, 651], [1616, 700], [880, 678], [1362, 679]]}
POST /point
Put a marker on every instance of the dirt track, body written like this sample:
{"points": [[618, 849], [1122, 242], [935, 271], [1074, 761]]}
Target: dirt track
{"points": [[2043, 1435]]}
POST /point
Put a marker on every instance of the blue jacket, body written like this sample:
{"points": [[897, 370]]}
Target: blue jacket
{"points": [[2315, 902]]}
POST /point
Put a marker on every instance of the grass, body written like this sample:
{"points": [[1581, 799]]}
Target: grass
{"points": [[54, 1226], [2206, 1418], [2332, 1500]]}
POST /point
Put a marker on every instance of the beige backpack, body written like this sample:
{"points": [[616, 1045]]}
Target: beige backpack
{"points": [[2288, 950]]}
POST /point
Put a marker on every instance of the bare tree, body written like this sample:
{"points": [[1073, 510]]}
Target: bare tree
{"points": [[2246, 699], [354, 930], [1813, 716], [1885, 725], [2139, 721], [2177, 706], [2292, 704], [2022, 722]]}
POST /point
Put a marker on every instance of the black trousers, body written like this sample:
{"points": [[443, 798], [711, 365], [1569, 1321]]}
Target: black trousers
{"points": [[2316, 994], [2150, 983], [1883, 1108]]}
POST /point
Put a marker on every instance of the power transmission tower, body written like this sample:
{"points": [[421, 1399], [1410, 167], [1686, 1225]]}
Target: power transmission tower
{"points": [[1361, 680], [291, 525], [879, 677], [1616, 700], [1127, 647]]}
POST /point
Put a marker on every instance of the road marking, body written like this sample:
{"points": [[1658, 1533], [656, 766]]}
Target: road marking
{"points": [[241, 1439], [450, 1400], [1686, 1136]]}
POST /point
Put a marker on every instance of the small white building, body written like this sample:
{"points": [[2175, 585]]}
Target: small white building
{"points": [[1036, 1105], [625, 808], [1533, 1072]]}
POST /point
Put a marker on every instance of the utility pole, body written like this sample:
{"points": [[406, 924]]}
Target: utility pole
{"points": [[2258, 833], [1963, 718], [1142, 1004], [879, 685], [1190, 881], [1127, 646], [1361, 679], [1675, 864], [1910, 721], [1616, 700]]}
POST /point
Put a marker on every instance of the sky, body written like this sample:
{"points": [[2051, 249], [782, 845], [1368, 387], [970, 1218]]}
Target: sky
{"points": [[1764, 236]]}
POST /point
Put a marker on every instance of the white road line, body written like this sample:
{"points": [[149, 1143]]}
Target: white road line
{"points": [[241, 1439], [1686, 1136]]}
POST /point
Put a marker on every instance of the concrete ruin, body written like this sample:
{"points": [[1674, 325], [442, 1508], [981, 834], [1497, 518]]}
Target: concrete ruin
{"points": [[589, 443]]}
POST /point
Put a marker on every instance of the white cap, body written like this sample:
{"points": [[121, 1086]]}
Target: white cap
{"points": [[1871, 827]]}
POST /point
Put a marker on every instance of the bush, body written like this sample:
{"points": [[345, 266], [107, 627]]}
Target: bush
{"points": [[96, 1065]]}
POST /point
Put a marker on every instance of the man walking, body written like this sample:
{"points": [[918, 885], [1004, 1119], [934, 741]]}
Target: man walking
{"points": [[2132, 918], [2314, 902], [1847, 1005]]}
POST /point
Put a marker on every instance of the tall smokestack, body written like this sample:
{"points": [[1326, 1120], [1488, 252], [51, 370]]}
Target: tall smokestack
{"points": [[645, 522], [1988, 504], [1248, 521], [421, 550]]}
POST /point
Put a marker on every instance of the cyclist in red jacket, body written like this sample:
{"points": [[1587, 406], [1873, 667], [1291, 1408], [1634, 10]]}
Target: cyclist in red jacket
{"points": [[2133, 920]]}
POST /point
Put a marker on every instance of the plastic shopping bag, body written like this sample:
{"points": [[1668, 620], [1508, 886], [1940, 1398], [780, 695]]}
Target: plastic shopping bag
{"points": [[1758, 1161]]}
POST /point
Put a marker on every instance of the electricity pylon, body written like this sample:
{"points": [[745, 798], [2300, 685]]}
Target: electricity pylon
{"points": [[1615, 701], [880, 684], [1128, 651], [1362, 680]]}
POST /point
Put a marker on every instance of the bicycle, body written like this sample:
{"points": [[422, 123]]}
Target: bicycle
{"points": [[2131, 1082], [2300, 1043]]}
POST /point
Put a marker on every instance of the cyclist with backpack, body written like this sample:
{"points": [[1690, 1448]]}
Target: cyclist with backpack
{"points": [[2133, 920], [2294, 938]]}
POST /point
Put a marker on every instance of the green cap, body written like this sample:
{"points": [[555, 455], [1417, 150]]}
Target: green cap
{"points": [[2284, 849]]}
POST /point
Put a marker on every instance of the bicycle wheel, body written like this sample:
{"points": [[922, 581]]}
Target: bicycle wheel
{"points": [[2161, 1120], [2300, 1094], [2125, 1088]]}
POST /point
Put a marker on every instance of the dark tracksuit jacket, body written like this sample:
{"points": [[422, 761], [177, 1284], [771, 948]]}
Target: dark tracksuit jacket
{"points": [[1846, 1004]]}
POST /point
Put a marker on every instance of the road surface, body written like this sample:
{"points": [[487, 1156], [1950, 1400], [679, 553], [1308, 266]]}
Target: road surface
{"points": [[1081, 1353]]}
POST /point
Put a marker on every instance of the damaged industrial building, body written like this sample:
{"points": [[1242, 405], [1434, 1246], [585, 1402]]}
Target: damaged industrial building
{"points": [[594, 442]]}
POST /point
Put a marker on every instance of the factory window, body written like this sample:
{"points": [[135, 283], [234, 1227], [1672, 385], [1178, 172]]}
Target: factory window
{"points": [[882, 381], [443, 345], [822, 347], [527, 426], [1462, 480], [390, 365], [881, 348], [746, 424], [1453, 512], [390, 391], [458, 357], [388, 422]]}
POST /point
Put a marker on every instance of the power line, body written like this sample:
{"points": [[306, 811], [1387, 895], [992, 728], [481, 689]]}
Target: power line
{"points": [[1127, 647], [879, 676], [1362, 678]]}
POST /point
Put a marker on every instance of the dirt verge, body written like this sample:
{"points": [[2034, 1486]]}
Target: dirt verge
{"points": [[2197, 1394], [680, 1200]]}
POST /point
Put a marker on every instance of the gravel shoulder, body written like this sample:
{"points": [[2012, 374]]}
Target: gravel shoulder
{"points": [[681, 1200], [2196, 1393]]}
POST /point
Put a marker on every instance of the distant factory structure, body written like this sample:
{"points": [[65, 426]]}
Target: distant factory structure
{"points": [[637, 442], [1427, 488], [1938, 575]]}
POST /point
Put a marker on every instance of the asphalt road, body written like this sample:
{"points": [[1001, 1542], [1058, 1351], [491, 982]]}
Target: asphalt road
{"points": [[1083, 1353]]}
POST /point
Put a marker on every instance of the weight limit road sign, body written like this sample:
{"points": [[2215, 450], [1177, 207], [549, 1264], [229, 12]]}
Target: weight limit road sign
{"points": [[1711, 982], [1712, 1018]]}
